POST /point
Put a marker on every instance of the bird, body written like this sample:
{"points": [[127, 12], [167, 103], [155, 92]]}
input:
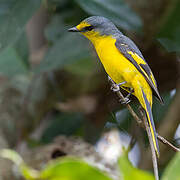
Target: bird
{"points": [[123, 63]]}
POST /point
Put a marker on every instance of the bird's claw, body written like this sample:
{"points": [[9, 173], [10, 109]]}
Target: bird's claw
{"points": [[125, 101], [115, 88]]}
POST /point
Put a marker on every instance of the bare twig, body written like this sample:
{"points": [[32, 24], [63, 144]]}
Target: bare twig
{"points": [[166, 142]]}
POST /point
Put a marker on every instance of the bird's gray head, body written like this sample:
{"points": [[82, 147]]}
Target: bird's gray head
{"points": [[96, 24]]}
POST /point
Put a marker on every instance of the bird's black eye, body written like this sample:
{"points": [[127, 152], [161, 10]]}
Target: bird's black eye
{"points": [[87, 28]]}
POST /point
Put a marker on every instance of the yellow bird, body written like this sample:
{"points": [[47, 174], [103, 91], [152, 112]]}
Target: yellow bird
{"points": [[123, 62]]}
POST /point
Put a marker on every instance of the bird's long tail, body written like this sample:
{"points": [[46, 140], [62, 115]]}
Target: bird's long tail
{"points": [[149, 115]]}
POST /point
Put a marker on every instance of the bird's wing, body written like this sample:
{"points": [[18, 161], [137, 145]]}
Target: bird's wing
{"points": [[133, 54]]}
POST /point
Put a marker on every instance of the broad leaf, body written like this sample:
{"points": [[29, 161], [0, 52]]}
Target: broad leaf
{"points": [[72, 169], [66, 124], [116, 10], [169, 34], [129, 172], [27, 172], [14, 15], [160, 110], [66, 50], [172, 170], [11, 63], [64, 169], [55, 29]]}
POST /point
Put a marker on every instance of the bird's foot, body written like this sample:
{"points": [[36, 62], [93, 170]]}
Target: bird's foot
{"points": [[119, 84], [126, 100], [115, 88]]}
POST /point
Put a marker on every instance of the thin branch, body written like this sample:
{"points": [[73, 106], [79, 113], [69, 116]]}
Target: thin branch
{"points": [[145, 126], [140, 123], [166, 142]]}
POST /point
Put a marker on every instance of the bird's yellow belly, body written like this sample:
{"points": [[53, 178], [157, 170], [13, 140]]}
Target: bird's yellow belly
{"points": [[115, 64]]}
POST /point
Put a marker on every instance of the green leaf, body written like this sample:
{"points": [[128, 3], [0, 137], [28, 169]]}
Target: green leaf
{"points": [[55, 29], [71, 169], [11, 155], [158, 110], [169, 44], [116, 10], [11, 63], [26, 171], [62, 168], [22, 48], [172, 170], [67, 49], [82, 67], [129, 172], [169, 35], [14, 15], [124, 117]]}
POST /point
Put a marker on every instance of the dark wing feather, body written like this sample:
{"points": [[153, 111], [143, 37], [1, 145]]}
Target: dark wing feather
{"points": [[125, 45]]}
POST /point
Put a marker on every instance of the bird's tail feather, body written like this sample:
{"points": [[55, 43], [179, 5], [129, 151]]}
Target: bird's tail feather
{"points": [[149, 115]]}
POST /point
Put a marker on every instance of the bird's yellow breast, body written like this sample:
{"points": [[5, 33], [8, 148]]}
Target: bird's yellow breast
{"points": [[115, 64]]}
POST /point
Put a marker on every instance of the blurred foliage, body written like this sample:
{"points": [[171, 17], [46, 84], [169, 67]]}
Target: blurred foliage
{"points": [[160, 111], [61, 168], [172, 170], [169, 33], [70, 168], [129, 172], [66, 43], [64, 168], [11, 56], [117, 10], [13, 18], [63, 125]]}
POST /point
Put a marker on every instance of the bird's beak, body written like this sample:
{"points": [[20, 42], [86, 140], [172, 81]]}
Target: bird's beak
{"points": [[73, 29]]}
